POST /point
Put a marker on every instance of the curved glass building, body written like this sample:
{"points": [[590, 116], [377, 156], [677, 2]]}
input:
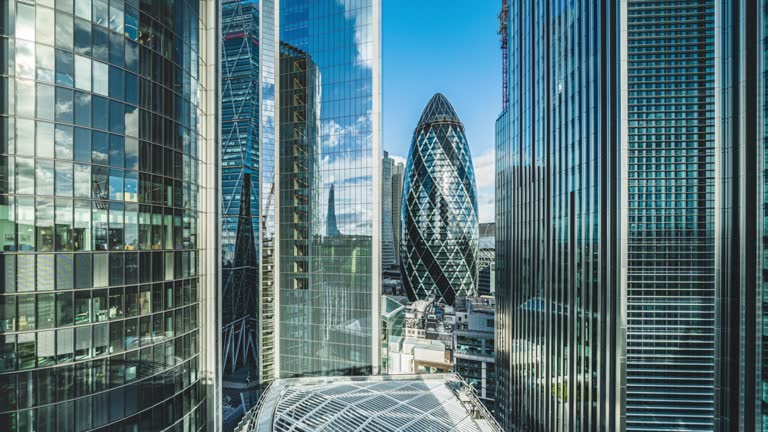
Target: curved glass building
{"points": [[439, 210], [107, 162]]}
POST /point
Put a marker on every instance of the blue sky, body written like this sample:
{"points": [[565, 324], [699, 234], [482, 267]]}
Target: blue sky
{"points": [[451, 47]]}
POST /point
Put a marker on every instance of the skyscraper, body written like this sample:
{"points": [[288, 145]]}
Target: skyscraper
{"points": [[439, 230], [247, 194], [387, 229], [398, 175], [108, 207], [630, 229], [328, 306], [556, 218]]}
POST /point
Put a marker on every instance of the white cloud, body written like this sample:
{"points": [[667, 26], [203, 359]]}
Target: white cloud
{"points": [[485, 174], [485, 169]]}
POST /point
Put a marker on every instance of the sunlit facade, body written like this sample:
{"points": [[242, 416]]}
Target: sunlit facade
{"points": [[107, 215], [439, 231], [329, 213]]}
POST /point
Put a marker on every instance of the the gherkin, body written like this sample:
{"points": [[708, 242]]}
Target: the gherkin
{"points": [[439, 233]]}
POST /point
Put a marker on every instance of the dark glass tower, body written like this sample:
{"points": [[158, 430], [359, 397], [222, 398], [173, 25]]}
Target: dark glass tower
{"points": [[239, 189], [329, 284], [556, 218], [657, 274], [247, 194], [439, 209], [107, 215]]}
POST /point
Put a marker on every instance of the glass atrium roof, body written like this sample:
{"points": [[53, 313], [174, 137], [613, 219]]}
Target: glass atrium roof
{"points": [[438, 402]]}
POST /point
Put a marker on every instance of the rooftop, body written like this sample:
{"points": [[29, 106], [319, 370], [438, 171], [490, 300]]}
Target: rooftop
{"points": [[382, 403]]}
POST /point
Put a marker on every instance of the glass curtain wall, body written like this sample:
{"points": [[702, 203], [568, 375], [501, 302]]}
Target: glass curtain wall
{"points": [[100, 144], [329, 125]]}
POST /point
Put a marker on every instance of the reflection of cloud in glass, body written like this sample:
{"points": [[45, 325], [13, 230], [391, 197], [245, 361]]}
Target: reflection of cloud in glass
{"points": [[362, 19], [347, 136]]}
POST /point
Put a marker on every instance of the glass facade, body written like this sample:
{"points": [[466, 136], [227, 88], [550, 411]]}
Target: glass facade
{"points": [[439, 210], [669, 159], [102, 124], [240, 209], [556, 216], [328, 201]]}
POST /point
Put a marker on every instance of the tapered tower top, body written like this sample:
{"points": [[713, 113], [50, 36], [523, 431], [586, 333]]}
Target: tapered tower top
{"points": [[438, 110]]}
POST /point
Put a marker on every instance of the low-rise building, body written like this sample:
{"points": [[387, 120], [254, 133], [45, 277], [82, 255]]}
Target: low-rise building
{"points": [[440, 338]]}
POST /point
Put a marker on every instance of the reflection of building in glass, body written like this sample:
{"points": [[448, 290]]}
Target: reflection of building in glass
{"points": [[329, 287], [247, 193], [486, 259], [331, 226], [240, 210], [107, 215], [439, 213], [299, 165], [440, 402]]}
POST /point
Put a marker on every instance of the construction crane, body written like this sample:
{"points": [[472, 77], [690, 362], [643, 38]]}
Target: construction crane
{"points": [[503, 18]]}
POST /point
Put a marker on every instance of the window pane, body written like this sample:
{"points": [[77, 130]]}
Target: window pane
{"points": [[100, 40], [25, 59], [64, 142], [46, 356], [82, 37], [116, 117], [44, 176], [44, 20], [46, 63], [25, 176], [46, 311], [65, 70], [83, 9], [116, 49], [82, 109], [25, 106], [82, 73], [100, 110], [64, 31], [44, 223], [45, 101], [25, 21], [27, 312], [63, 179], [100, 78], [46, 269], [101, 12], [64, 105], [25, 222], [83, 230], [100, 270], [27, 349], [131, 121], [64, 315], [116, 151], [64, 237], [65, 276], [45, 139], [7, 317], [100, 307], [116, 17], [82, 145]]}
